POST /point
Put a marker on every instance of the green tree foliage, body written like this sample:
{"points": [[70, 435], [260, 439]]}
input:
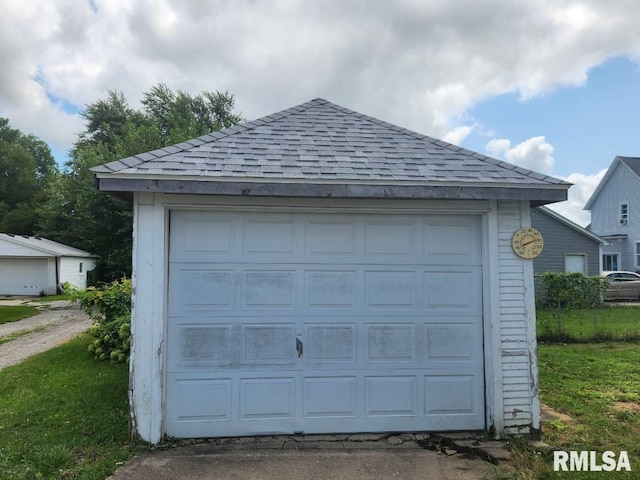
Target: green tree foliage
{"points": [[76, 213], [26, 169]]}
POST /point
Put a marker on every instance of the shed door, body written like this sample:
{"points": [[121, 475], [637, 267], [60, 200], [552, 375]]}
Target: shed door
{"points": [[24, 276], [317, 323]]}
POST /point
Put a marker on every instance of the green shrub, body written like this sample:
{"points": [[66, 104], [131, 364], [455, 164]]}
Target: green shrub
{"points": [[563, 293], [110, 308], [572, 290]]}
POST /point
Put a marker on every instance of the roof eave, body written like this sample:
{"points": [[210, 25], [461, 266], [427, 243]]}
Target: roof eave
{"points": [[537, 194]]}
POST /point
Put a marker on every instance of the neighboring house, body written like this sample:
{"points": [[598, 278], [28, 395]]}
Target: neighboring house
{"points": [[568, 247], [318, 270], [615, 214], [37, 266]]}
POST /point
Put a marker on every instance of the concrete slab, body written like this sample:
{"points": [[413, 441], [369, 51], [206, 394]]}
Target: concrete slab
{"points": [[286, 458]]}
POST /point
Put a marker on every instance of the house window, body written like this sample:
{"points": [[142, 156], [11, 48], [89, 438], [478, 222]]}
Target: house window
{"points": [[637, 255], [624, 214], [610, 261], [575, 263], [80, 267]]}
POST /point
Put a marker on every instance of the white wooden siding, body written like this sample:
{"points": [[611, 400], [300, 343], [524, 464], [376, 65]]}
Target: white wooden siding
{"points": [[518, 377], [70, 270]]}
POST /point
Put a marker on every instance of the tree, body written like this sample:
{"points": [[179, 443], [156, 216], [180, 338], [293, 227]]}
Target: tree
{"points": [[26, 168], [76, 213]]}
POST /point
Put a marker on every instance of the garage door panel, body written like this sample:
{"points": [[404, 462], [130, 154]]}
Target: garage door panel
{"points": [[202, 288], [390, 289], [330, 344], [269, 236], [331, 289], [269, 289], [323, 323], [451, 394], [391, 342], [268, 344], [267, 398], [456, 290], [330, 397], [391, 396], [330, 237], [452, 240], [203, 400], [391, 240], [448, 341]]}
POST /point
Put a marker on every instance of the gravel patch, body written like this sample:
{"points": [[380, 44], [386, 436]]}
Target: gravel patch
{"points": [[59, 323]]}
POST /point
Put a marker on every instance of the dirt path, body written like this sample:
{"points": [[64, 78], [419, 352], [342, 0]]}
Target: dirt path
{"points": [[61, 321]]}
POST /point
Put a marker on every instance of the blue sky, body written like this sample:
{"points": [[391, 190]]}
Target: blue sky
{"points": [[587, 125], [550, 85]]}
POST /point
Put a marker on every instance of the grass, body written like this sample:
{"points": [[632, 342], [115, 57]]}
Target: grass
{"points": [[21, 333], [63, 415], [52, 298], [598, 386], [605, 324], [14, 313]]}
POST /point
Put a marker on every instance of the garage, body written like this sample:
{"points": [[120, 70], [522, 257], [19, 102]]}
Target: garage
{"points": [[307, 322], [322, 271]]}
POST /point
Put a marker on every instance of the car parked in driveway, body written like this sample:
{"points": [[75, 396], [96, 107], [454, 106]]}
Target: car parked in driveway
{"points": [[623, 286]]}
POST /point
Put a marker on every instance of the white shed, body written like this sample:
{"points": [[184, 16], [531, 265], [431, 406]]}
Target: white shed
{"points": [[37, 266], [322, 271]]}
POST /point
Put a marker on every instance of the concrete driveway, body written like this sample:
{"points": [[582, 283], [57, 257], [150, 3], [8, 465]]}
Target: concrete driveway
{"points": [[456, 456]]}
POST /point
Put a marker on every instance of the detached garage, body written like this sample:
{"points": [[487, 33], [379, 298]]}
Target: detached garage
{"points": [[321, 271], [37, 266]]}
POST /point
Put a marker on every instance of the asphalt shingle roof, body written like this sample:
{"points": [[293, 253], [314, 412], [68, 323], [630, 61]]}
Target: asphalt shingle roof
{"points": [[323, 142]]}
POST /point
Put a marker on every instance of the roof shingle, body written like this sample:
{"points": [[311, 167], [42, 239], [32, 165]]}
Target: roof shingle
{"points": [[318, 141]]}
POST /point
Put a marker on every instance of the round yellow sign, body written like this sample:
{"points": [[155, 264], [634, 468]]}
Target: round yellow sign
{"points": [[527, 242]]}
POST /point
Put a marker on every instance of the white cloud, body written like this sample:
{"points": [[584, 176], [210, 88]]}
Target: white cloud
{"points": [[458, 134], [497, 147], [534, 153], [579, 194], [418, 64]]}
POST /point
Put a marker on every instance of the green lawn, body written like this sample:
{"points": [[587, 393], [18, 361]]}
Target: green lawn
{"points": [[63, 415], [52, 298], [607, 323], [14, 313], [598, 386]]}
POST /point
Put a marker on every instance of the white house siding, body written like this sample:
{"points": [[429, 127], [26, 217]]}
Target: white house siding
{"points": [[623, 186], [70, 270], [517, 325], [512, 404]]}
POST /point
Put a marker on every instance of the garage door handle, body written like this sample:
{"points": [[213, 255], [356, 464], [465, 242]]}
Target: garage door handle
{"points": [[299, 347]]}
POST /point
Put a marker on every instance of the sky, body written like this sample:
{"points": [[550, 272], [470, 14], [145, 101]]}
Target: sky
{"points": [[550, 85]]}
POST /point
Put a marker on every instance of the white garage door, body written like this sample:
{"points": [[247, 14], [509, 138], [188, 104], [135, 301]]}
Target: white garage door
{"points": [[24, 276], [317, 323]]}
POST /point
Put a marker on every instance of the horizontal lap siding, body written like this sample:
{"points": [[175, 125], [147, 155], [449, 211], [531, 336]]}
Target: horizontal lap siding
{"points": [[516, 370]]}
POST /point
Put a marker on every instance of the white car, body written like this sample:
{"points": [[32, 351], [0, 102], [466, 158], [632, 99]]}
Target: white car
{"points": [[622, 286]]}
